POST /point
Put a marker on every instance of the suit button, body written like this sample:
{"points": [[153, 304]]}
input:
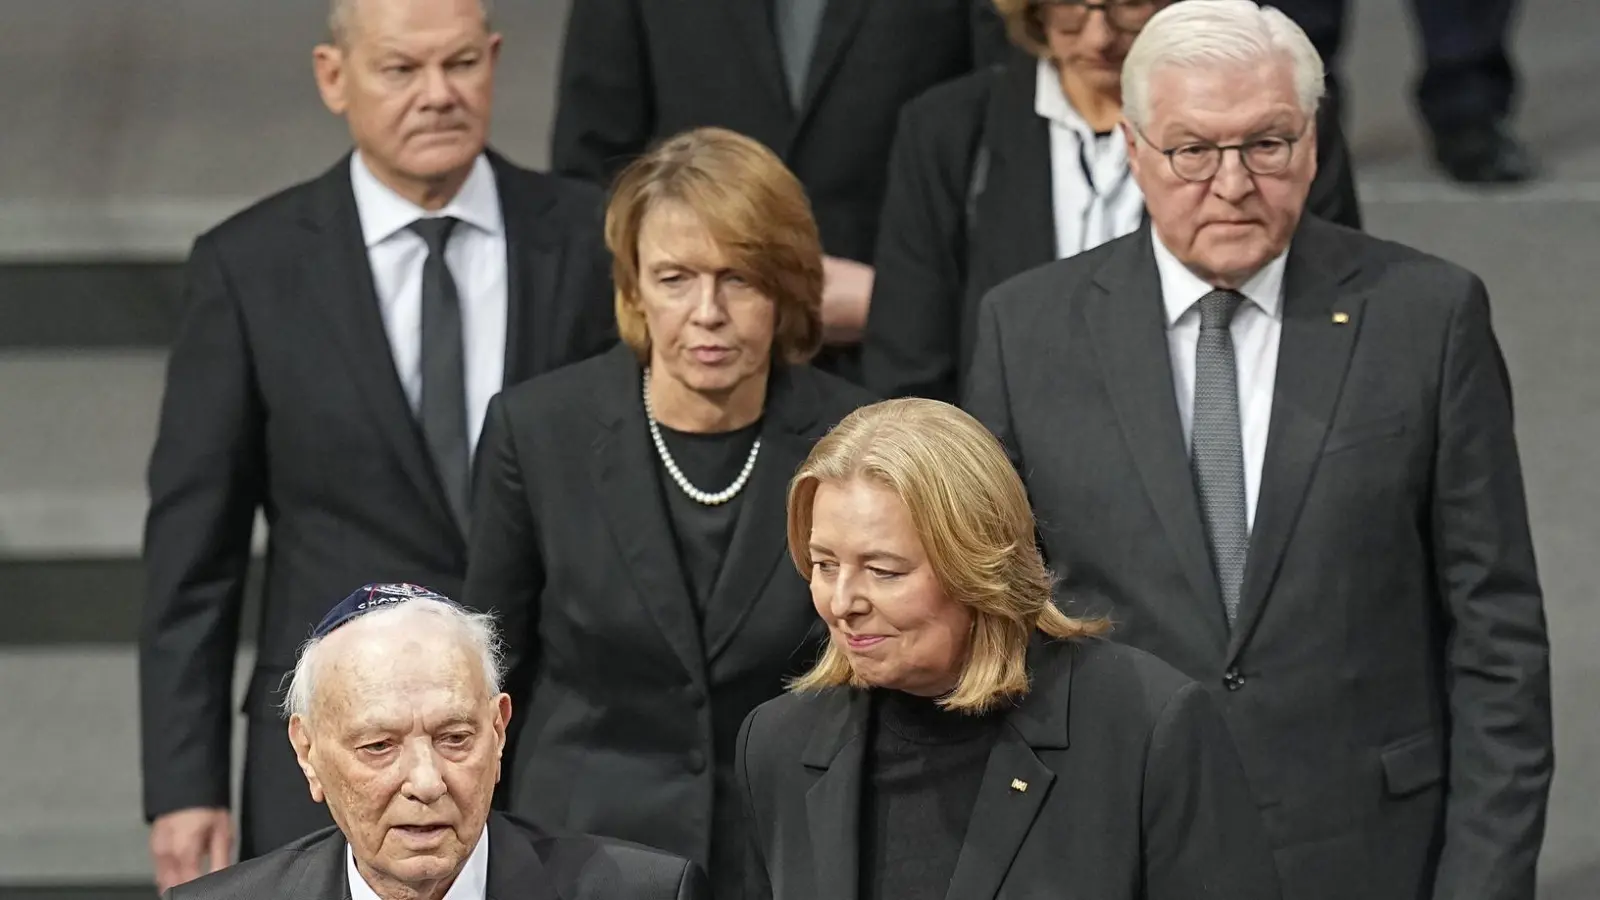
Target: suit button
{"points": [[697, 761], [1233, 679]]}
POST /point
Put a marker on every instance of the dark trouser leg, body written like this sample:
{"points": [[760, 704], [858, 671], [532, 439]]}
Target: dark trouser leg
{"points": [[1467, 77], [276, 807]]}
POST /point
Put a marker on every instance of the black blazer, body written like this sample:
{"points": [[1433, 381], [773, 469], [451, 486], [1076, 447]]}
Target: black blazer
{"points": [[525, 863], [1114, 779], [633, 71], [282, 396], [629, 704], [1387, 680], [968, 205]]}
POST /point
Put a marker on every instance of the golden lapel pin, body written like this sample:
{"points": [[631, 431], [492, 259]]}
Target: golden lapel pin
{"points": [[1341, 318], [1017, 784]]}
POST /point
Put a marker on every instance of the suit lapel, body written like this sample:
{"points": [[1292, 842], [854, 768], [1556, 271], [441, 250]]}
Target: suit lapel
{"points": [[759, 538], [838, 748], [1313, 356], [624, 475], [760, 38], [340, 274], [1015, 781], [515, 870], [1128, 324], [533, 270], [839, 26], [1018, 204], [322, 871]]}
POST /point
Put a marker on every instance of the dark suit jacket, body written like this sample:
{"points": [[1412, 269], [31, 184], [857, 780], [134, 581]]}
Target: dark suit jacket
{"points": [[1131, 790], [630, 704], [525, 863], [634, 71], [969, 205], [282, 396], [1387, 680]]}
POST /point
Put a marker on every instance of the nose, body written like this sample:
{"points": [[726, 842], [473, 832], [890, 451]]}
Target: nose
{"points": [[1233, 182], [1097, 31], [436, 90], [709, 310], [846, 600], [424, 782]]}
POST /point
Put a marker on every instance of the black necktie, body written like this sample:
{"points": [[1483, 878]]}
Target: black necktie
{"points": [[797, 23], [443, 411], [1217, 445]]}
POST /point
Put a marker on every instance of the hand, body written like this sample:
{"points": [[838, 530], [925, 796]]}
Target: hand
{"points": [[846, 295], [181, 840]]}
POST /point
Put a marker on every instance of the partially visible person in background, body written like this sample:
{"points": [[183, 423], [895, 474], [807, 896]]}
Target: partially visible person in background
{"points": [[963, 737], [630, 509], [341, 343], [1010, 168], [821, 83], [1467, 87], [1280, 455], [398, 724]]}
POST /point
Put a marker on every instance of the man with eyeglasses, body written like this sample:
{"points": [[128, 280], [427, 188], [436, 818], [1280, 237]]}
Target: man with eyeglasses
{"points": [[1279, 454]]}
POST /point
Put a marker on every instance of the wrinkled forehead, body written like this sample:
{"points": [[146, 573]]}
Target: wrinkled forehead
{"points": [[423, 674], [1225, 100]]}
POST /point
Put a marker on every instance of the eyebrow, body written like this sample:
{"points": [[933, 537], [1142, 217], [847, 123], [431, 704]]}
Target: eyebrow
{"points": [[869, 556]]}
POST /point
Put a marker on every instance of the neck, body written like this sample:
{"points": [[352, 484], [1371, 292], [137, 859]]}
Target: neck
{"points": [[1100, 109], [431, 194], [683, 408], [389, 889]]}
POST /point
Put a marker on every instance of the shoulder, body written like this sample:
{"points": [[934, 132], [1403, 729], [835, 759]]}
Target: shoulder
{"points": [[1391, 271], [586, 867], [784, 724], [835, 396], [561, 394], [274, 874], [569, 196], [1121, 679], [1049, 286], [244, 229], [951, 102]]}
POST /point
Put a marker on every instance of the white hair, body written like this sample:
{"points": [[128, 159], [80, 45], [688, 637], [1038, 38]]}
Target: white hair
{"points": [[476, 631], [341, 13], [1201, 33]]}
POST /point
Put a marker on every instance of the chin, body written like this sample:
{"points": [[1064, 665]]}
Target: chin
{"points": [[442, 158]]}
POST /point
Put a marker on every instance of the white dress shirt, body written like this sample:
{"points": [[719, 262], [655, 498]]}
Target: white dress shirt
{"points": [[476, 257], [471, 884], [1257, 329], [1093, 194]]}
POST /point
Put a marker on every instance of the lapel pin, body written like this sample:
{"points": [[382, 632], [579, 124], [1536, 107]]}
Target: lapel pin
{"points": [[1018, 785], [1341, 318]]}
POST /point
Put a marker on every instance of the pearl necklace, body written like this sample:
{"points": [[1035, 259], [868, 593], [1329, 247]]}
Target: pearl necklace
{"points": [[695, 494]]}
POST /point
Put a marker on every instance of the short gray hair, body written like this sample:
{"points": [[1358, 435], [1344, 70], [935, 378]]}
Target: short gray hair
{"points": [[1198, 33], [475, 630], [342, 12]]}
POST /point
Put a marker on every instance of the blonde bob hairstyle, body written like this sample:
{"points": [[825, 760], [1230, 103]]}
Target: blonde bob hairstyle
{"points": [[756, 212], [972, 515]]}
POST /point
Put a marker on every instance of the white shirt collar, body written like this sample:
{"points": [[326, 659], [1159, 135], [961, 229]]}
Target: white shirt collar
{"points": [[1181, 289], [1051, 102], [385, 213], [471, 884]]}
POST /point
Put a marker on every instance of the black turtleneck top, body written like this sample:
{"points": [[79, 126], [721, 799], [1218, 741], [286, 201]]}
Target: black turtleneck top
{"points": [[924, 768]]}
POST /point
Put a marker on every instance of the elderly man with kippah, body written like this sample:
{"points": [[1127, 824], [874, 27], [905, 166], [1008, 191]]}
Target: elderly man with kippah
{"points": [[398, 722]]}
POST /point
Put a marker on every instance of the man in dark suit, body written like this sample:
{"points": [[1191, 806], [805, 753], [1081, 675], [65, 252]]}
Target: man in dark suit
{"points": [[1280, 454], [819, 82], [398, 723], [341, 344]]}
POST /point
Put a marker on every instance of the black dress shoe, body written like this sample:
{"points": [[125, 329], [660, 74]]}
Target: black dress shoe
{"points": [[1482, 153]]}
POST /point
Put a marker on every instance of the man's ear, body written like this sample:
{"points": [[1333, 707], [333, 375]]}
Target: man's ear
{"points": [[328, 63], [502, 722], [300, 739], [1131, 137]]}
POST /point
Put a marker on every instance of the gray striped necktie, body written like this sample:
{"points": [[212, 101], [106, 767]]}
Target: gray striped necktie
{"points": [[797, 23], [1217, 446], [443, 413]]}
